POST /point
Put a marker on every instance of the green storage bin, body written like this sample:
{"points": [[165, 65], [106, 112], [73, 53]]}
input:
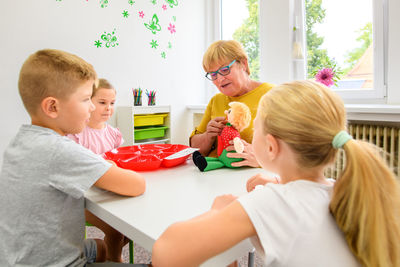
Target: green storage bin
{"points": [[150, 132]]}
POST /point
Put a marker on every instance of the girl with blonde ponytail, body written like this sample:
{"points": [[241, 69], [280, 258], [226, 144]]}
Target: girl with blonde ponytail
{"points": [[302, 218], [366, 206]]}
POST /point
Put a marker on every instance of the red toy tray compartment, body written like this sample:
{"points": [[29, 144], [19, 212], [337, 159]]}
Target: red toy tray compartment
{"points": [[146, 157]]}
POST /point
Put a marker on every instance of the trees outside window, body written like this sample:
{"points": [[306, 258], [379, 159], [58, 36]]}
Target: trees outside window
{"points": [[330, 26], [247, 33]]}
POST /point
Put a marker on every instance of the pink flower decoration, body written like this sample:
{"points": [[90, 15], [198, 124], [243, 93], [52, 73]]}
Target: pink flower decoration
{"points": [[171, 28], [325, 76], [164, 7], [141, 14]]}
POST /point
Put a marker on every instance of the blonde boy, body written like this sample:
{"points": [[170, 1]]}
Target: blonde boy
{"points": [[45, 175]]}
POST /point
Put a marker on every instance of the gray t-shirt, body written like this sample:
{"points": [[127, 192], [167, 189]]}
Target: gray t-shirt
{"points": [[42, 184]]}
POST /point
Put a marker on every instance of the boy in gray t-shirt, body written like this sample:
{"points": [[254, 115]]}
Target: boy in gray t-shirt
{"points": [[45, 175]]}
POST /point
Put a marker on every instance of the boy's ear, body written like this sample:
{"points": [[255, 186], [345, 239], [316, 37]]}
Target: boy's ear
{"points": [[272, 146], [50, 107]]}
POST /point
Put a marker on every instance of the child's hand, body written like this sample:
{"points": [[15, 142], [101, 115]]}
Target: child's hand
{"points": [[247, 155], [221, 202], [259, 179], [239, 146]]}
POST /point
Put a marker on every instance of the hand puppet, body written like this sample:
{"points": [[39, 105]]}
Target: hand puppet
{"points": [[238, 118]]}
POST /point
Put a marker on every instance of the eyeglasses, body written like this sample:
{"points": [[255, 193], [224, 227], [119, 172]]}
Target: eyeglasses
{"points": [[223, 71]]}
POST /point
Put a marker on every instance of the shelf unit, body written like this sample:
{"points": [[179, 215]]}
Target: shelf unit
{"points": [[125, 122]]}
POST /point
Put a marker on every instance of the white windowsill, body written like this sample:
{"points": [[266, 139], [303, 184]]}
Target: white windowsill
{"points": [[196, 108], [377, 112], [355, 112]]}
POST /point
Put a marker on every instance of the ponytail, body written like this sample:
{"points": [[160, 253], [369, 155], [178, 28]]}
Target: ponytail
{"points": [[311, 119], [366, 206]]}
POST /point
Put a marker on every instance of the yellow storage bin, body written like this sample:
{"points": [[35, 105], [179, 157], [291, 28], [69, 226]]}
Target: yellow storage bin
{"points": [[149, 120], [150, 132]]}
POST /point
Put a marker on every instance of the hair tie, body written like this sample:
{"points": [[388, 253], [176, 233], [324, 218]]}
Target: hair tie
{"points": [[340, 139]]}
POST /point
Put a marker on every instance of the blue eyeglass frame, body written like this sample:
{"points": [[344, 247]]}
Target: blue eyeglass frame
{"points": [[217, 71]]}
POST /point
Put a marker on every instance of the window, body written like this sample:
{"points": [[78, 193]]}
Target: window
{"points": [[347, 36], [239, 21]]}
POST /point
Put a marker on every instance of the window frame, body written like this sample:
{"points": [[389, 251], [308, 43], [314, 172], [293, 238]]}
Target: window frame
{"points": [[380, 33], [378, 93]]}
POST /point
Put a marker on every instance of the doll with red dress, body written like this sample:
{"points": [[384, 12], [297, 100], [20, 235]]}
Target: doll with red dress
{"points": [[239, 118]]}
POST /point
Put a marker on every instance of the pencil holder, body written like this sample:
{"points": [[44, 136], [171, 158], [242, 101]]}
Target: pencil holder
{"points": [[152, 100], [137, 100], [151, 96]]}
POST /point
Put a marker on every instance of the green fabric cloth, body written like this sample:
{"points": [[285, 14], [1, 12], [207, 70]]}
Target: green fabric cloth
{"points": [[221, 161]]}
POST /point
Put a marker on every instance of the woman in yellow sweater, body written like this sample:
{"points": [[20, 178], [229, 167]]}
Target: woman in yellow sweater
{"points": [[227, 67]]}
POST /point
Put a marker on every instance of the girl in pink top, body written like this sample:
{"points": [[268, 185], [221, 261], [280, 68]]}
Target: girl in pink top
{"points": [[100, 137]]}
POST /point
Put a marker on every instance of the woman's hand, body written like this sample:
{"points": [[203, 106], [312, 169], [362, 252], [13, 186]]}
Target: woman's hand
{"points": [[259, 179], [247, 155], [215, 126], [221, 202], [205, 141]]}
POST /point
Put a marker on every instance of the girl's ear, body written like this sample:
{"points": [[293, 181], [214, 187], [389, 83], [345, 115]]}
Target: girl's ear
{"points": [[50, 107], [272, 146]]}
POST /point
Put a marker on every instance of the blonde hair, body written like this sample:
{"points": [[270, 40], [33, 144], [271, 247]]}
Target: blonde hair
{"points": [[366, 198], [224, 51], [240, 115], [51, 72], [102, 84]]}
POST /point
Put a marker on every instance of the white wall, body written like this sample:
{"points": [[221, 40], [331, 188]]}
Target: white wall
{"points": [[275, 40], [394, 52], [27, 26]]}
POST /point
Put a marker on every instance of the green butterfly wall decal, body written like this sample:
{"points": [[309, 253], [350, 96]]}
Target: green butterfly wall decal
{"points": [[153, 25], [109, 39], [172, 3]]}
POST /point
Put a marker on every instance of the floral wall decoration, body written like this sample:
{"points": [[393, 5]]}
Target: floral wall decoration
{"points": [[103, 3], [157, 17], [172, 3], [107, 40]]}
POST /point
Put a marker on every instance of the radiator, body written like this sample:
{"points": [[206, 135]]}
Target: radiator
{"points": [[385, 137]]}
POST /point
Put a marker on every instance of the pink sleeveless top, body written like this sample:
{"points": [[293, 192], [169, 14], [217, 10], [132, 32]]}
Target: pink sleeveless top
{"points": [[99, 140]]}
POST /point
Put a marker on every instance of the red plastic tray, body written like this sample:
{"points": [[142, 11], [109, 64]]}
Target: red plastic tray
{"points": [[146, 157]]}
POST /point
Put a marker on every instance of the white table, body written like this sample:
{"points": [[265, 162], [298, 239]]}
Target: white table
{"points": [[172, 194]]}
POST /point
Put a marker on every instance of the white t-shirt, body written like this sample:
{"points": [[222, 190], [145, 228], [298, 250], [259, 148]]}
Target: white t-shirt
{"points": [[294, 226]]}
